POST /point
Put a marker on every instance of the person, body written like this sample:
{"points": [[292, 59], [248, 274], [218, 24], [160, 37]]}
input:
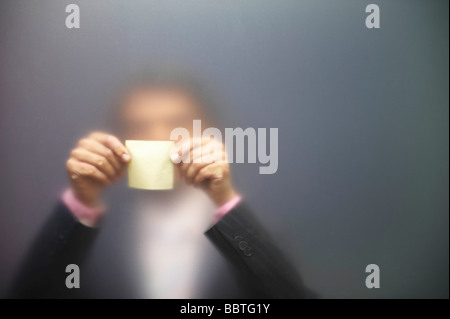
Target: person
{"points": [[199, 240]]}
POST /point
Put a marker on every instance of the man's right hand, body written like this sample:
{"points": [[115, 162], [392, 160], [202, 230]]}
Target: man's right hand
{"points": [[97, 161]]}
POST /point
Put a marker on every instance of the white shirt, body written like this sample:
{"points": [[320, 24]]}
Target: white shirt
{"points": [[172, 247]]}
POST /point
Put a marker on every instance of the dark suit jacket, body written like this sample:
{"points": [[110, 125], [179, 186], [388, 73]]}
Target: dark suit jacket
{"points": [[251, 265]]}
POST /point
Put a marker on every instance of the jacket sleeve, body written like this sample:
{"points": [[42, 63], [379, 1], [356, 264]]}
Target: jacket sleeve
{"points": [[243, 241], [62, 241]]}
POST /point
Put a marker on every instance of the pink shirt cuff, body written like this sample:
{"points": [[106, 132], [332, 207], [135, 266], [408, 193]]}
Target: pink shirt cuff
{"points": [[225, 208], [91, 216], [86, 215]]}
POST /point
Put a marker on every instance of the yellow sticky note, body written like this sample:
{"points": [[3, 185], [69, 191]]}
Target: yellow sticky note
{"points": [[150, 166]]}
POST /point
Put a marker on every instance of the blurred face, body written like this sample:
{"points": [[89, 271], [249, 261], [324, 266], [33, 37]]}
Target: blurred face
{"points": [[153, 114]]}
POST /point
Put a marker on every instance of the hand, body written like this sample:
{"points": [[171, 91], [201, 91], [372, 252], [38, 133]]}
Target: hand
{"points": [[211, 172], [97, 161]]}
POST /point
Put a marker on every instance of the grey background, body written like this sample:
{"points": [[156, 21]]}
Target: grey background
{"points": [[362, 115]]}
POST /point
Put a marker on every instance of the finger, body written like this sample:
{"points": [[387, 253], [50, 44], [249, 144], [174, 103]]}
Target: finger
{"points": [[101, 163], [211, 153], [98, 148], [212, 171], [199, 151], [200, 161], [192, 171], [79, 169], [184, 167], [113, 144], [186, 150], [189, 170]]}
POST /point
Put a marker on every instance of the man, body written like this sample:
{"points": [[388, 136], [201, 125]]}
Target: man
{"points": [[198, 240]]}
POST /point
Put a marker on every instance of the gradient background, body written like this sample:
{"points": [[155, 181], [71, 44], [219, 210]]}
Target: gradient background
{"points": [[362, 115]]}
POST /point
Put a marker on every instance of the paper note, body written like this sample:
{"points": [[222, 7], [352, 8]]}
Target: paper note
{"points": [[150, 166]]}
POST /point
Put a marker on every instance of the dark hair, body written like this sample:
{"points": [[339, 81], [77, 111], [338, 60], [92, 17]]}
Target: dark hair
{"points": [[173, 78]]}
